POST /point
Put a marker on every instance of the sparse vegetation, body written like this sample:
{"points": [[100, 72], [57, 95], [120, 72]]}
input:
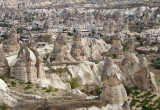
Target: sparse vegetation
{"points": [[73, 83], [27, 87], [144, 101], [3, 107], [49, 89], [13, 84], [70, 34], [114, 56], [125, 45], [156, 63], [2, 77], [128, 90]]}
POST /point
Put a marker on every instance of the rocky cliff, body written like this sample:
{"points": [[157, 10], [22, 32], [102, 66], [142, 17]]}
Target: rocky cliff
{"points": [[137, 73]]}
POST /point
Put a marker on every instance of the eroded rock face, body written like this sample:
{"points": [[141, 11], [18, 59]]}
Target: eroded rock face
{"points": [[94, 48], [116, 49], [77, 51], [4, 67], [39, 60], [82, 49], [61, 51], [27, 65], [4, 96], [113, 90], [137, 73], [54, 81], [86, 72], [12, 45]]}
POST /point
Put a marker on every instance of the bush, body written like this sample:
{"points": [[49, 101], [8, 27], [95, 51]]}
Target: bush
{"points": [[36, 29], [154, 43], [156, 63], [20, 30], [157, 102], [133, 102], [138, 38], [144, 107], [98, 90], [29, 83], [13, 84], [27, 87], [73, 83], [4, 36], [114, 56], [49, 90], [44, 88], [128, 90], [3, 107], [70, 34], [55, 90], [2, 77], [83, 90], [37, 86], [125, 45], [6, 25], [21, 82]]}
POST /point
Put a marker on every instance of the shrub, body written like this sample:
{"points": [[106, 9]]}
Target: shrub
{"points": [[13, 84], [27, 87], [147, 94], [135, 88], [36, 29], [21, 82], [4, 36], [3, 107], [73, 83], [135, 93], [157, 102], [133, 102], [49, 90], [153, 43], [98, 90], [37, 86], [114, 56], [44, 88], [128, 90], [125, 45], [20, 30], [55, 90], [29, 83], [144, 107], [156, 63], [6, 25], [2, 77], [69, 33], [138, 38], [83, 90]]}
